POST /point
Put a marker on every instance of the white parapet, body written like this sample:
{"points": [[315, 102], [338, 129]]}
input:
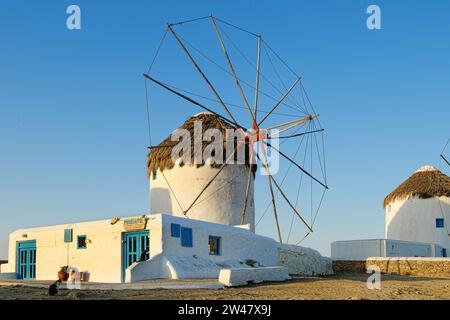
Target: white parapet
{"points": [[363, 249], [242, 276]]}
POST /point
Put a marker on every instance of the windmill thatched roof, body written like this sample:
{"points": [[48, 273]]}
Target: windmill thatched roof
{"points": [[160, 157], [427, 182]]}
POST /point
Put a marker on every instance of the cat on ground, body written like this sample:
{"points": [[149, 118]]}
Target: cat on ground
{"points": [[54, 288]]}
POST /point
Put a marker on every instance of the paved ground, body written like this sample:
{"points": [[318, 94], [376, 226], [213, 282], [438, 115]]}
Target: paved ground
{"points": [[141, 285], [349, 286]]}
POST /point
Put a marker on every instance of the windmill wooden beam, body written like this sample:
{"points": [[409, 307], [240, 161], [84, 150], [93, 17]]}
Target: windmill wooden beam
{"points": [[236, 79], [299, 134], [258, 63], [446, 161], [201, 73], [296, 164], [292, 124], [185, 97], [247, 191], [272, 179], [279, 101], [275, 212]]}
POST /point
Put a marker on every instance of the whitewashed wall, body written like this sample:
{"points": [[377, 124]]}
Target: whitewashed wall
{"points": [[358, 249], [237, 246], [398, 248], [222, 202], [102, 258], [415, 220], [236, 243], [364, 249]]}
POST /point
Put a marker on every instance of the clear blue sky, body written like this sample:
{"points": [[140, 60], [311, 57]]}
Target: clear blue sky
{"points": [[72, 118]]}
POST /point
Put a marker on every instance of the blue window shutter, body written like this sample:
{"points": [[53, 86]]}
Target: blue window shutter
{"points": [[68, 234], [439, 223], [186, 237], [175, 230]]}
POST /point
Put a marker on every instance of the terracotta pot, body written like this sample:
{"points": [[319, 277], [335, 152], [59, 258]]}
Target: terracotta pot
{"points": [[63, 276]]}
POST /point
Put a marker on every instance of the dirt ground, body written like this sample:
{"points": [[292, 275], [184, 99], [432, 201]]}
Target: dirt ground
{"points": [[342, 287]]}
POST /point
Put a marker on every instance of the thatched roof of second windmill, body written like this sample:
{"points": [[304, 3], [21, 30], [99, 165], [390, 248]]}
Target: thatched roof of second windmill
{"points": [[427, 182], [161, 156]]}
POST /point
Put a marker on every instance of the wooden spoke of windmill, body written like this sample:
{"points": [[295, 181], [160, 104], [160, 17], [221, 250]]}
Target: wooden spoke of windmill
{"points": [[445, 160]]}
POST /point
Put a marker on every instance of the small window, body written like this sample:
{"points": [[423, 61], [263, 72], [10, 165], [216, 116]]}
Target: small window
{"points": [[440, 223], [175, 230], [81, 242], [68, 235], [186, 237], [393, 249], [154, 175], [214, 246]]}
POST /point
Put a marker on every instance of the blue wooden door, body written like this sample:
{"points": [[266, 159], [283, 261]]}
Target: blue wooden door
{"points": [[26, 260], [136, 244]]}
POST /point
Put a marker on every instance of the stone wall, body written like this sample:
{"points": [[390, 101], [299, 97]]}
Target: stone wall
{"points": [[424, 267], [303, 261]]}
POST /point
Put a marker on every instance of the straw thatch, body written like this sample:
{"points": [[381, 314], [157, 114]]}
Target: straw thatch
{"points": [[427, 182], [160, 157]]}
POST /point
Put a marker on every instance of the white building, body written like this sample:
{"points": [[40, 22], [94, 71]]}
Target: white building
{"points": [[419, 209], [416, 224], [166, 243], [105, 249]]}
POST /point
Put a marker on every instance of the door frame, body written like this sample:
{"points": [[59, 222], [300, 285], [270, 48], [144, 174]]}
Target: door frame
{"points": [[27, 246], [124, 248]]}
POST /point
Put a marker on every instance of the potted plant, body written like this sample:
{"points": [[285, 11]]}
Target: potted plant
{"points": [[63, 275]]}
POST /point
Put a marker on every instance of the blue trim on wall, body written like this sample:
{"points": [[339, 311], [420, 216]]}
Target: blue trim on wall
{"points": [[26, 259], [439, 223], [68, 235], [186, 237], [175, 230], [137, 236]]}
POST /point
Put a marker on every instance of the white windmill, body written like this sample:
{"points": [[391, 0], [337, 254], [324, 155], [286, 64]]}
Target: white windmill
{"points": [[223, 193]]}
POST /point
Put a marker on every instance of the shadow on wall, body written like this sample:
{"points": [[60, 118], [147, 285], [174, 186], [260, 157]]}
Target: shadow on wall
{"points": [[160, 201], [416, 221]]}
